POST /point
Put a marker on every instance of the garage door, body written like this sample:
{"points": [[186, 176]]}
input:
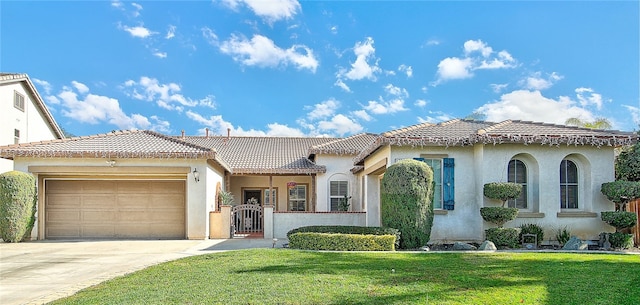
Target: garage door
{"points": [[114, 209]]}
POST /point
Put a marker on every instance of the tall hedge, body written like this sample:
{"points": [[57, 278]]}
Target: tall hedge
{"points": [[17, 205], [406, 202]]}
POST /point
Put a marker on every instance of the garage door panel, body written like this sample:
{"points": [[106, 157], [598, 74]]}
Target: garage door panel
{"points": [[130, 209]]}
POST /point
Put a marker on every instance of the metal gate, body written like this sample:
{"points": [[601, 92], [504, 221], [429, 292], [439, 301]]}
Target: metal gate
{"points": [[246, 220]]}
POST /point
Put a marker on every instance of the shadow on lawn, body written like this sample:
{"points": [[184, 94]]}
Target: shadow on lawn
{"points": [[567, 278]]}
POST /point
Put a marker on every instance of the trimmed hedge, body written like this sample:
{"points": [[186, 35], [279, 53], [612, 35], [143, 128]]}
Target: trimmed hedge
{"points": [[348, 230], [621, 240], [619, 219], [341, 242], [406, 201], [621, 192], [17, 206], [503, 237], [498, 215], [502, 191]]}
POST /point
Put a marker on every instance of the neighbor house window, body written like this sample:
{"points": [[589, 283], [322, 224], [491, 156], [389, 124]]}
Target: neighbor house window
{"points": [[18, 100], [16, 136], [517, 173], [338, 191], [298, 198], [568, 185]]}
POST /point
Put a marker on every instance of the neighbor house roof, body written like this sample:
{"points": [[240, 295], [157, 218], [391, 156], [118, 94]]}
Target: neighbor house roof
{"points": [[8, 78], [264, 155], [467, 132], [117, 144]]}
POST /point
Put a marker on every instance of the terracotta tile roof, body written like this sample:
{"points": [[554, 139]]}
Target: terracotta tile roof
{"points": [[468, 132], [120, 144], [352, 145], [264, 155], [8, 78]]}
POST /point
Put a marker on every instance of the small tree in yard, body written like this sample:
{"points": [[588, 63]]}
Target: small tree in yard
{"points": [[17, 206], [620, 192], [406, 201], [503, 191]]}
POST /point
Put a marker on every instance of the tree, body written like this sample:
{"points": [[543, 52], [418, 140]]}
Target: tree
{"points": [[628, 164], [406, 202], [598, 123]]}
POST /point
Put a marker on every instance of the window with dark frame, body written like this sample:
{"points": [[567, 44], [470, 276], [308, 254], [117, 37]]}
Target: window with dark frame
{"points": [[517, 173], [568, 185], [298, 198], [16, 136]]}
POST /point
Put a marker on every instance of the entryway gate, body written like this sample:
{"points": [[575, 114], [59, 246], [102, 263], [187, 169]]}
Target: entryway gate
{"points": [[246, 220]]}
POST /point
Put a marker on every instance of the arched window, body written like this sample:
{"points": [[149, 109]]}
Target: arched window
{"points": [[517, 173], [568, 185]]}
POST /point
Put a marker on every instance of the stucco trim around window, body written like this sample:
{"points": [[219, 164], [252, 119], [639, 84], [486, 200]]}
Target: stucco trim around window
{"points": [[577, 214], [440, 212], [530, 215]]}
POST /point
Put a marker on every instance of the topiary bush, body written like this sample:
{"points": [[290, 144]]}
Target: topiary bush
{"points": [[621, 192], [532, 228], [619, 219], [348, 230], [341, 242], [502, 191], [503, 237], [498, 215], [621, 240], [406, 201], [17, 206]]}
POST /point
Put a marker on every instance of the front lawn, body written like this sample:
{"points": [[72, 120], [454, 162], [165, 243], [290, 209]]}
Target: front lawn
{"points": [[282, 276]]}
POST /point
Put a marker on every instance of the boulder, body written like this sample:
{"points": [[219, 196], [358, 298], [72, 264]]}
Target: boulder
{"points": [[459, 246], [425, 248], [575, 243], [487, 245]]}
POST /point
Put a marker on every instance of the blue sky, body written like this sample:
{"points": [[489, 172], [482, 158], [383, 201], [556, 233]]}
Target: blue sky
{"points": [[323, 68]]}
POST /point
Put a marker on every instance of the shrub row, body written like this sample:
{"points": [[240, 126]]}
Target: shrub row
{"points": [[341, 242], [348, 230]]}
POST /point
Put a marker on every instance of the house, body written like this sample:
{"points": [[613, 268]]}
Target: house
{"points": [[23, 114], [142, 184]]}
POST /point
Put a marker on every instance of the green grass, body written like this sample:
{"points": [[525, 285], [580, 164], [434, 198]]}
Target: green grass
{"points": [[282, 276]]}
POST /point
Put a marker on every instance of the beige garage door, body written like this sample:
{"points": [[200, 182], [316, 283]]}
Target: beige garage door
{"points": [[114, 209]]}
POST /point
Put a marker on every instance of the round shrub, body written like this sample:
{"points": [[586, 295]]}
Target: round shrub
{"points": [[619, 219], [532, 228], [503, 237], [406, 201], [621, 192], [498, 215], [502, 191], [17, 206], [621, 240]]}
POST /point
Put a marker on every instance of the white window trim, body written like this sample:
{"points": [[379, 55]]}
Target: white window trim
{"points": [[340, 196]]}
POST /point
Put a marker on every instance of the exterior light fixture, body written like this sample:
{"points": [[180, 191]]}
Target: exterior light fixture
{"points": [[196, 174], [111, 162]]}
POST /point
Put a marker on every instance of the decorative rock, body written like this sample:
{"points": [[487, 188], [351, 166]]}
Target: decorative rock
{"points": [[575, 244], [487, 245], [425, 248], [463, 246]]}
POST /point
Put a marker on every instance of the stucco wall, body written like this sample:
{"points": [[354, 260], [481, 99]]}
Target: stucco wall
{"points": [[338, 169], [196, 202], [283, 222]]}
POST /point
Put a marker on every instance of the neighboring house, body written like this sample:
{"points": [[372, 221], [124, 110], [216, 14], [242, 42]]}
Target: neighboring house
{"points": [[142, 184], [23, 114]]}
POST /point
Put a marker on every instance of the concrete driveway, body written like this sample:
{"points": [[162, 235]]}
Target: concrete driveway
{"points": [[38, 272]]}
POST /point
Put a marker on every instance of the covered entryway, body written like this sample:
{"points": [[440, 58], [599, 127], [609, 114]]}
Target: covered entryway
{"points": [[85, 209]]}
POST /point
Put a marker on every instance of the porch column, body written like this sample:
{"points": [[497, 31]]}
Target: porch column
{"points": [[314, 195], [372, 200]]}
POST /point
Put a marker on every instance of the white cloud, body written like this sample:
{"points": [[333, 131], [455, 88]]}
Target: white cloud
{"points": [[116, 4], [136, 6], [171, 32], [363, 115], [138, 31], [165, 95], [334, 29], [535, 81], [82, 88], [396, 91], [210, 36], [406, 69], [160, 54], [219, 126], [435, 117], [261, 51], [477, 56], [433, 42], [420, 103], [385, 107], [324, 109], [44, 84], [635, 113], [362, 68], [340, 124], [588, 97], [271, 11], [497, 88], [84, 107], [342, 85], [532, 106]]}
